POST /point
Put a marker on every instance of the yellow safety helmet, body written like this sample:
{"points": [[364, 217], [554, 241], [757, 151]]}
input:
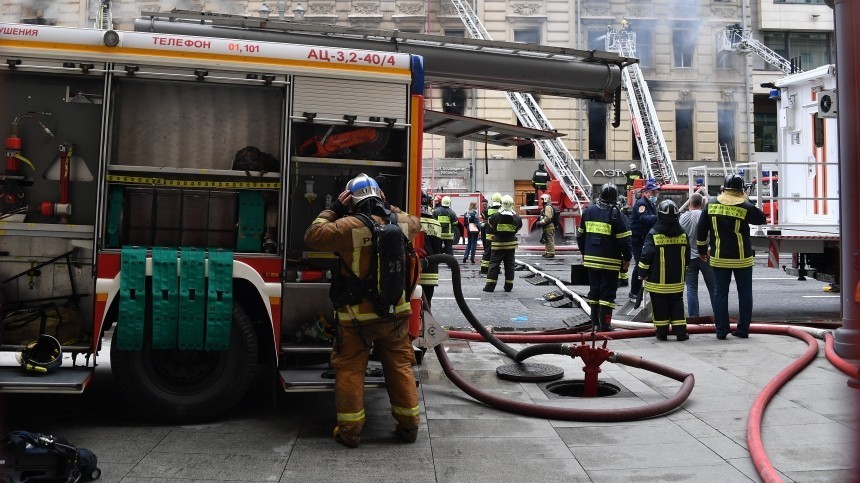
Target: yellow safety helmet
{"points": [[446, 201], [497, 197], [507, 203]]}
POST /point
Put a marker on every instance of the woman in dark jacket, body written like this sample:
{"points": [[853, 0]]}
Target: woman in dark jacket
{"points": [[473, 231]]}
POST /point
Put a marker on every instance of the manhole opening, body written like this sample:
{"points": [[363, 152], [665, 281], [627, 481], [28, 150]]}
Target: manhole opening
{"points": [[577, 389]]}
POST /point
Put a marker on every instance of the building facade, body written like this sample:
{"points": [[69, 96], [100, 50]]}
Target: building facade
{"points": [[704, 98]]}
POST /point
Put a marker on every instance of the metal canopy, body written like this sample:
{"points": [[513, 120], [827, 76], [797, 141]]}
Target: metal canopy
{"points": [[482, 130], [470, 63]]}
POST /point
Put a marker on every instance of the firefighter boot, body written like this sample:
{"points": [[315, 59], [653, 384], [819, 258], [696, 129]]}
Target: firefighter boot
{"points": [[348, 438], [407, 435], [662, 332], [606, 319], [680, 332]]}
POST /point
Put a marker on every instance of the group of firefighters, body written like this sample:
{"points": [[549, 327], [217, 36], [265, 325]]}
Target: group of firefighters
{"points": [[653, 239]]}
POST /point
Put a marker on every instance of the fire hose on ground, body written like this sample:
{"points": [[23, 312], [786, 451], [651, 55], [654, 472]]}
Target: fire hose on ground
{"points": [[553, 343]]}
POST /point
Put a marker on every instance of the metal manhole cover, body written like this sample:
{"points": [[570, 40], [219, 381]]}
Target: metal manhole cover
{"points": [[529, 372]]}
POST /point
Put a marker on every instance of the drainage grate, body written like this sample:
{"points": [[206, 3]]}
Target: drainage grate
{"points": [[529, 372], [577, 388]]}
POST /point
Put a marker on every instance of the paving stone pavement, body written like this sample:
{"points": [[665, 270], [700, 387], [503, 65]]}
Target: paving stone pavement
{"points": [[810, 429]]}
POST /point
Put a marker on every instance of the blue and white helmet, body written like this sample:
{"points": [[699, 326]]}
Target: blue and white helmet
{"points": [[363, 187]]}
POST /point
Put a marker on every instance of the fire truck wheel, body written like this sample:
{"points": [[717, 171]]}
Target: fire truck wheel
{"points": [[187, 386]]}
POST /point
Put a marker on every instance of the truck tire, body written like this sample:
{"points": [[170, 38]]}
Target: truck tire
{"points": [[187, 386]]}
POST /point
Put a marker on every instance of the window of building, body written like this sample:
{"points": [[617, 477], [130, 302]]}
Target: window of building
{"points": [[683, 46], [527, 35], [726, 130], [725, 59], [454, 33], [644, 45], [684, 132], [811, 49], [596, 39], [636, 154], [764, 124], [526, 150], [453, 148], [597, 129]]}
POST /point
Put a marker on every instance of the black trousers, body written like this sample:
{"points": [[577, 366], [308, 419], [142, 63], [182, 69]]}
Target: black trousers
{"points": [[448, 247], [668, 309], [603, 285], [498, 257]]}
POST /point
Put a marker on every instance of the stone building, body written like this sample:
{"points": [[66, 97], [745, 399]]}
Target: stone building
{"points": [[704, 98]]}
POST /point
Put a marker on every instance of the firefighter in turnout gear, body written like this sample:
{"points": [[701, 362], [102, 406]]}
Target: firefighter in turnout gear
{"points": [[642, 219], [631, 175], [492, 209], [358, 326], [547, 215], [727, 219], [505, 225], [540, 179], [604, 241], [432, 232], [448, 219], [662, 267]]}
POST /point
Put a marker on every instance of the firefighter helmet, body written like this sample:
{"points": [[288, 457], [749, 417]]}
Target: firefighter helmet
{"points": [[541, 166], [667, 211], [546, 198], [446, 201], [733, 182], [496, 198], [507, 203], [41, 355], [632, 166], [363, 187], [609, 193]]}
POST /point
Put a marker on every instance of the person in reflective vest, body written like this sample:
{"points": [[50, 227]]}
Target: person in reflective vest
{"points": [[663, 267], [358, 326], [631, 175], [545, 221], [726, 220], [604, 241], [506, 223], [492, 209], [540, 179], [447, 219], [432, 233]]}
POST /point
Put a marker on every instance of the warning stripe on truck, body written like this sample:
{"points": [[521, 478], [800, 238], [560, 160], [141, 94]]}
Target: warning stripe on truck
{"points": [[193, 183]]}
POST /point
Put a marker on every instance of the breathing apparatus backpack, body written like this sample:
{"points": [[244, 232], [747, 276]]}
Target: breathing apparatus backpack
{"points": [[394, 270]]}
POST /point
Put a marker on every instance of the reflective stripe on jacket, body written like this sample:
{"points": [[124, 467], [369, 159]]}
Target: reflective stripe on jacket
{"points": [[603, 237], [505, 227], [728, 226], [664, 261], [350, 238]]}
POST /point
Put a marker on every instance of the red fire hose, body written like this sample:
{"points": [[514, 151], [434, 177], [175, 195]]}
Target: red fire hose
{"points": [[840, 363]]}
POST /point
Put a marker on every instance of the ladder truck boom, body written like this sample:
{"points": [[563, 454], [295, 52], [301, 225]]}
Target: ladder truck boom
{"points": [[735, 38], [649, 136], [559, 161]]}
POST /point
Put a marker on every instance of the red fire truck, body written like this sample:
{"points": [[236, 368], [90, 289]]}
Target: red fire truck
{"points": [[157, 187]]}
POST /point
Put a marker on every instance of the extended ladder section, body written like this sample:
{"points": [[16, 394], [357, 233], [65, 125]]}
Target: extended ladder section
{"points": [[104, 18], [735, 38], [649, 136], [726, 159], [559, 161]]}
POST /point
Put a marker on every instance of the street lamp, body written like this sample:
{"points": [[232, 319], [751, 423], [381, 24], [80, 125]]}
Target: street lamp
{"points": [[299, 11], [264, 10]]}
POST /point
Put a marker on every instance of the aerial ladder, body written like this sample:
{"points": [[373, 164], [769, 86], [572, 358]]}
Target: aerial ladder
{"points": [[726, 159], [652, 145], [735, 38], [558, 159], [104, 18]]}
